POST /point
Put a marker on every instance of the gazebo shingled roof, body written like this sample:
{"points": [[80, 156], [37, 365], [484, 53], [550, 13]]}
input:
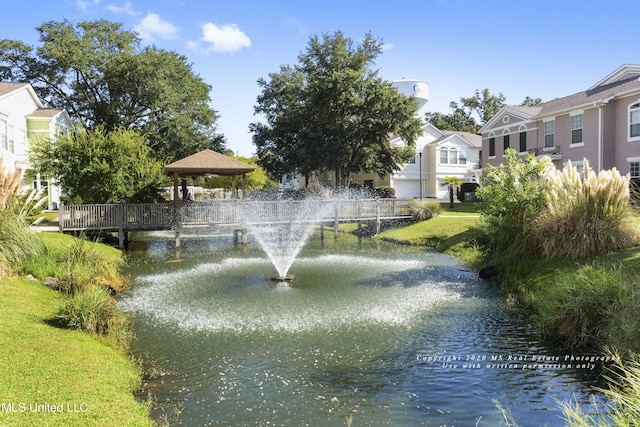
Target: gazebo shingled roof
{"points": [[207, 162]]}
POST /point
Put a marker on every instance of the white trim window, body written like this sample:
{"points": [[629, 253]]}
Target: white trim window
{"points": [[4, 136], [549, 131], [634, 122], [452, 156], [444, 156], [634, 169], [576, 129]]}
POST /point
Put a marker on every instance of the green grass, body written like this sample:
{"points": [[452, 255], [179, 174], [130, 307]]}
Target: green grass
{"points": [[42, 363], [590, 303], [448, 232]]}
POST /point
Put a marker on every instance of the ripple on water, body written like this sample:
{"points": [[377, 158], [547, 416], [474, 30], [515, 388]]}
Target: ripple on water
{"points": [[330, 291]]}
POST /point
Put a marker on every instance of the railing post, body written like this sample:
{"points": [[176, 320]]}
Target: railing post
{"points": [[335, 220], [61, 217], [378, 216]]}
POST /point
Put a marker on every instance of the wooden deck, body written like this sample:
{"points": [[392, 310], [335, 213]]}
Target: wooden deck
{"points": [[235, 214]]}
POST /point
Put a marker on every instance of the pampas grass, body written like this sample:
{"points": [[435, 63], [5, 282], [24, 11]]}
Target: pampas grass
{"points": [[586, 216], [17, 242]]}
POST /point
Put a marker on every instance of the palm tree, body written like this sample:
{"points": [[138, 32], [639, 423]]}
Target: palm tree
{"points": [[453, 183]]}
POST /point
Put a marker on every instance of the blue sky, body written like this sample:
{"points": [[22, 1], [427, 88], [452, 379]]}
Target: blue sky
{"points": [[543, 48]]}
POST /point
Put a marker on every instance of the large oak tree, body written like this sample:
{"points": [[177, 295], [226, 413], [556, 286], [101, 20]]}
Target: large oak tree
{"points": [[100, 74], [332, 112]]}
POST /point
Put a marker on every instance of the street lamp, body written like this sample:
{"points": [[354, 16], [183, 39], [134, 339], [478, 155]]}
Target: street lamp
{"points": [[420, 175]]}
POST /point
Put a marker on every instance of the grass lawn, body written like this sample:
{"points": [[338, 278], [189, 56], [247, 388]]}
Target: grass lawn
{"points": [[44, 368], [447, 232]]}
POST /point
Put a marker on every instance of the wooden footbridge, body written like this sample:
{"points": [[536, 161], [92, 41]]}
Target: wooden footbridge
{"points": [[237, 215]]}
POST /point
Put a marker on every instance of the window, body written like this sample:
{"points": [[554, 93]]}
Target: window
{"points": [[634, 121], [444, 156], [462, 158], [11, 145], [4, 141], [549, 130], [576, 129], [453, 157], [523, 142], [492, 147], [506, 139], [634, 169]]}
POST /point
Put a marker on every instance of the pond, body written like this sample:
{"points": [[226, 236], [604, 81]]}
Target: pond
{"points": [[367, 333]]}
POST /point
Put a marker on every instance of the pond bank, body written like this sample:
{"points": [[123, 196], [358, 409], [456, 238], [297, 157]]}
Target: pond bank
{"points": [[52, 375], [60, 377], [586, 303]]}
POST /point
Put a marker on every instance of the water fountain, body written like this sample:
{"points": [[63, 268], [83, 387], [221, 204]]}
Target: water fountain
{"points": [[365, 336], [283, 240]]}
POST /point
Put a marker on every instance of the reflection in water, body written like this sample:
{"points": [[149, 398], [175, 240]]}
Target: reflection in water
{"points": [[375, 336]]}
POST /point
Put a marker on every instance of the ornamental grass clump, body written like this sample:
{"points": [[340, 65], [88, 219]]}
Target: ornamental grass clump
{"points": [[422, 210], [586, 216], [94, 310], [17, 242]]}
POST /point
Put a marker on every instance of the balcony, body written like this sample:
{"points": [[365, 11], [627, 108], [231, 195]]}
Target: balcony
{"points": [[554, 153]]}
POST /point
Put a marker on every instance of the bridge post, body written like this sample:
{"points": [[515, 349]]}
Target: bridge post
{"points": [[335, 220], [378, 205], [121, 221]]}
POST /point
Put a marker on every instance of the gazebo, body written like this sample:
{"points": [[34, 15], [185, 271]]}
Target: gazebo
{"points": [[207, 162]]}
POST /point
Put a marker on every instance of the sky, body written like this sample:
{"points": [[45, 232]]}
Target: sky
{"points": [[542, 49]]}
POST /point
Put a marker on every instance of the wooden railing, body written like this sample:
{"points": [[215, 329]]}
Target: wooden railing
{"points": [[225, 213]]}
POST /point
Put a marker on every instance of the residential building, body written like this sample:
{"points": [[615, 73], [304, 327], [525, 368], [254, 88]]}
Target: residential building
{"points": [[438, 154], [600, 124], [23, 119]]}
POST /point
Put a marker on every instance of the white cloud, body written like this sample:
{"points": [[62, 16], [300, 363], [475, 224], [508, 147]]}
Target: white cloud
{"points": [[152, 27], [84, 4], [225, 38], [387, 46], [296, 24], [126, 8]]}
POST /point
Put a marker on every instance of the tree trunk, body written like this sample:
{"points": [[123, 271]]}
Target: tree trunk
{"points": [[450, 196]]}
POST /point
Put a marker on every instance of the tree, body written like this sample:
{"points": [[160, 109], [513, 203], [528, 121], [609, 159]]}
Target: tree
{"points": [[531, 102], [473, 112], [331, 112], [98, 72], [98, 166], [453, 183]]}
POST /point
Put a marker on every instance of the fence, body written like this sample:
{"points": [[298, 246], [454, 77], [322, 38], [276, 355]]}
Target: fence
{"points": [[124, 217]]}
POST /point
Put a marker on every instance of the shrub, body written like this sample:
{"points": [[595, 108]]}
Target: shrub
{"points": [[588, 216], [385, 192], [422, 210], [93, 310], [511, 196], [590, 306]]}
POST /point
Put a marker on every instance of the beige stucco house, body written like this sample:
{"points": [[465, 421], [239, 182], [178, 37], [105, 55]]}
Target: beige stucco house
{"points": [[438, 154], [600, 124], [24, 119]]}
